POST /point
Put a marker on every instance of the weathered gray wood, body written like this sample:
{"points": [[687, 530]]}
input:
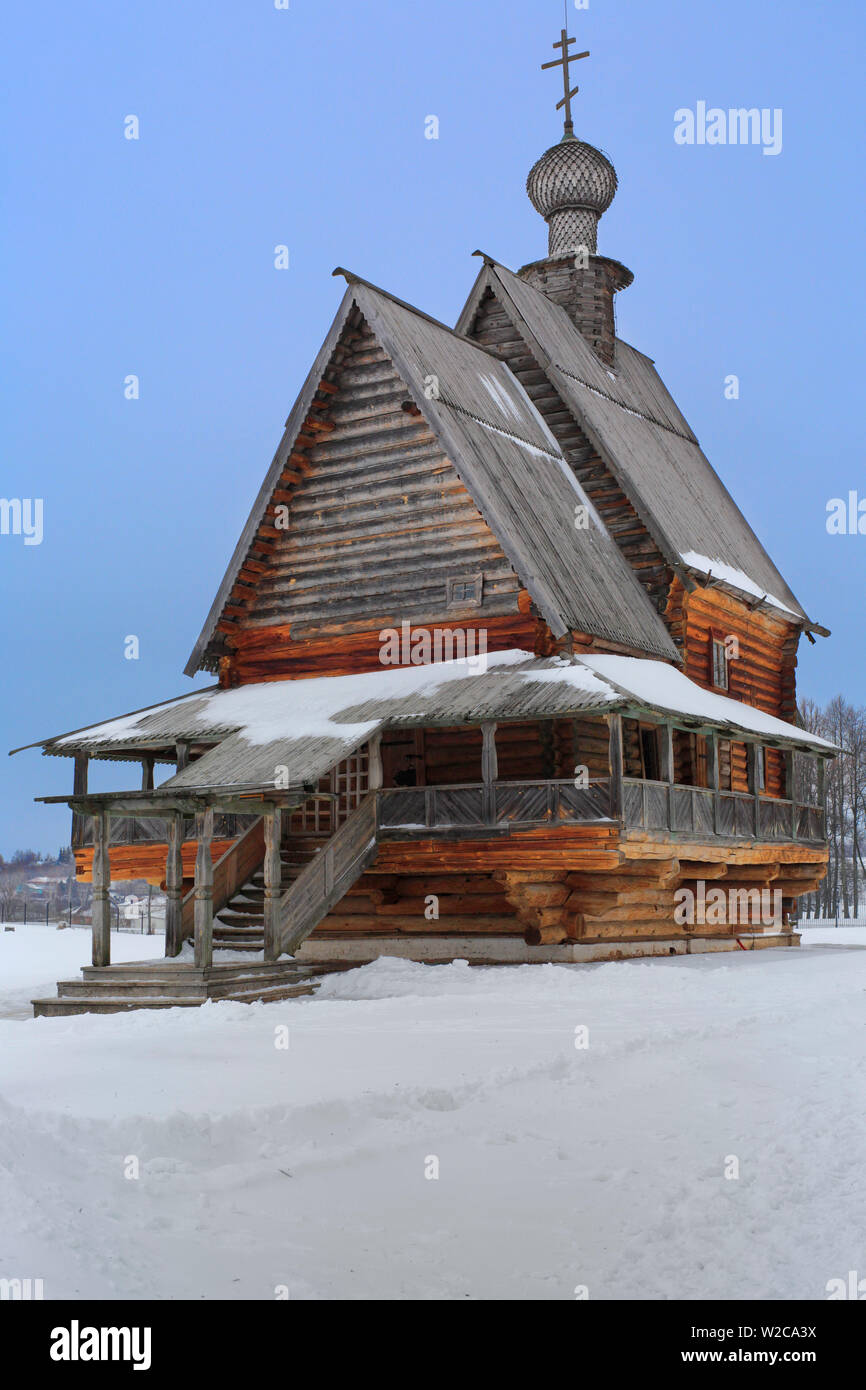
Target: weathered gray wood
{"points": [[714, 780], [791, 791], [615, 765], [174, 887], [79, 776], [489, 769], [182, 754], [147, 765], [666, 752], [752, 753], [273, 873], [204, 888], [79, 788], [326, 878], [101, 911], [375, 775]]}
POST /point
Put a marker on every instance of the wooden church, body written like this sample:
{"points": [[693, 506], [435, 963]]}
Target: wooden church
{"points": [[501, 671]]}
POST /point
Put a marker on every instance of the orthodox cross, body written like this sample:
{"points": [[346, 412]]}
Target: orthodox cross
{"points": [[565, 62]]}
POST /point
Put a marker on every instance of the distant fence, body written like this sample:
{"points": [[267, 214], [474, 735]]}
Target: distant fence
{"points": [[839, 920], [32, 912]]}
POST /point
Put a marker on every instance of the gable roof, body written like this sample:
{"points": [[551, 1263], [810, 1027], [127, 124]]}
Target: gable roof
{"points": [[507, 459], [633, 422]]}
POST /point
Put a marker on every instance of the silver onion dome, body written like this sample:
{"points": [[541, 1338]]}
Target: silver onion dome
{"points": [[571, 185]]}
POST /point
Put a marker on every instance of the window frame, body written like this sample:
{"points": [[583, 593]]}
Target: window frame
{"points": [[718, 642], [476, 581]]}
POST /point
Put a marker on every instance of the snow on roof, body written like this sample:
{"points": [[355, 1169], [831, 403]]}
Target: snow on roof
{"points": [[656, 685], [717, 569], [309, 725]]}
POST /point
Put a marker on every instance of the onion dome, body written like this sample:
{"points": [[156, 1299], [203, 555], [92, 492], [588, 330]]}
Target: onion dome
{"points": [[571, 185]]}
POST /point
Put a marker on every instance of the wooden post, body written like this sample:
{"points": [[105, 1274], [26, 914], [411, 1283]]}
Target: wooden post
{"points": [[791, 790], [714, 779], [79, 788], [668, 766], [489, 770], [614, 724], [822, 796], [375, 774], [174, 887], [754, 786], [204, 888], [147, 773], [182, 754], [273, 869], [101, 915]]}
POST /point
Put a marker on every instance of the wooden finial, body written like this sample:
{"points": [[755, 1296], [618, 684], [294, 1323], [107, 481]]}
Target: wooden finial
{"points": [[565, 62]]}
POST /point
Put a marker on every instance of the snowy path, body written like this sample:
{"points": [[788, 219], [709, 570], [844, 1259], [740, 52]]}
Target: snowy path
{"points": [[558, 1167]]}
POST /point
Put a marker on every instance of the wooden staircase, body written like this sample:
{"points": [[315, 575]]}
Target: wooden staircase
{"points": [[317, 869], [165, 984], [240, 925]]}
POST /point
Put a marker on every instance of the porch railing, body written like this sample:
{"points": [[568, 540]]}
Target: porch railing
{"points": [[495, 806], [726, 814], [327, 877], [149, 830], [230, 872], [695, 811]]}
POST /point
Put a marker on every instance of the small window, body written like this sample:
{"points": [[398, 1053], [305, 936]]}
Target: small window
{"points": [[760, 769], [720, 665], [464, 591]]}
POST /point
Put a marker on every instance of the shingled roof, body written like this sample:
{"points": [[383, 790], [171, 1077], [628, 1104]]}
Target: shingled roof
{"points": [[631, 419], [307, 726], [510, 463]]}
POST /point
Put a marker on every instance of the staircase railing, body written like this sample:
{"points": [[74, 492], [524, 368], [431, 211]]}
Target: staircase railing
{"points": [[322, 883], [230, 872]]}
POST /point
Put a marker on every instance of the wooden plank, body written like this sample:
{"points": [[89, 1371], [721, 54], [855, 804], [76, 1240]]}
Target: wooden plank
{"points": [[174, 887], [204, 888], [101, 906]]}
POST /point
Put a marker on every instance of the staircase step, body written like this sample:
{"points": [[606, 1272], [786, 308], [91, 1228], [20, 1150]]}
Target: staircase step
{"points": [[106, 993], [195, 990], [228, 918]]}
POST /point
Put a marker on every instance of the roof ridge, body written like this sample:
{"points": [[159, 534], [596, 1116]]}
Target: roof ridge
{"points": [[632, 410], [352, 279]]}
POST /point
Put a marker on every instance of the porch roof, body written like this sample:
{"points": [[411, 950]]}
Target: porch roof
{"points": [[306, 726]]}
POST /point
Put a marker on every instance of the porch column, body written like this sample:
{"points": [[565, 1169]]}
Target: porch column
{"points": [[147, 774], [273, 870], [754, 786], [101, 914], [489, 770], [375, 775], [614, 724], [174, 887], [668, 767], [182, 755], [791, 789], [79, 788], [204, 888], [713, 779]]}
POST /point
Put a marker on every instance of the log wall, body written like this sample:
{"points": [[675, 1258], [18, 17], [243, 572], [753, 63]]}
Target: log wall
{"points": [[145, 861], [379, 522]]}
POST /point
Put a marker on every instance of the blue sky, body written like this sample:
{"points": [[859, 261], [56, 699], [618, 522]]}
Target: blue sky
{"points": [[305, 127]]}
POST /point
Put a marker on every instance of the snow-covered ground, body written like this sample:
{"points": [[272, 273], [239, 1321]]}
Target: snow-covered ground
{"points": [[558, 1166], [34, 957]]}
